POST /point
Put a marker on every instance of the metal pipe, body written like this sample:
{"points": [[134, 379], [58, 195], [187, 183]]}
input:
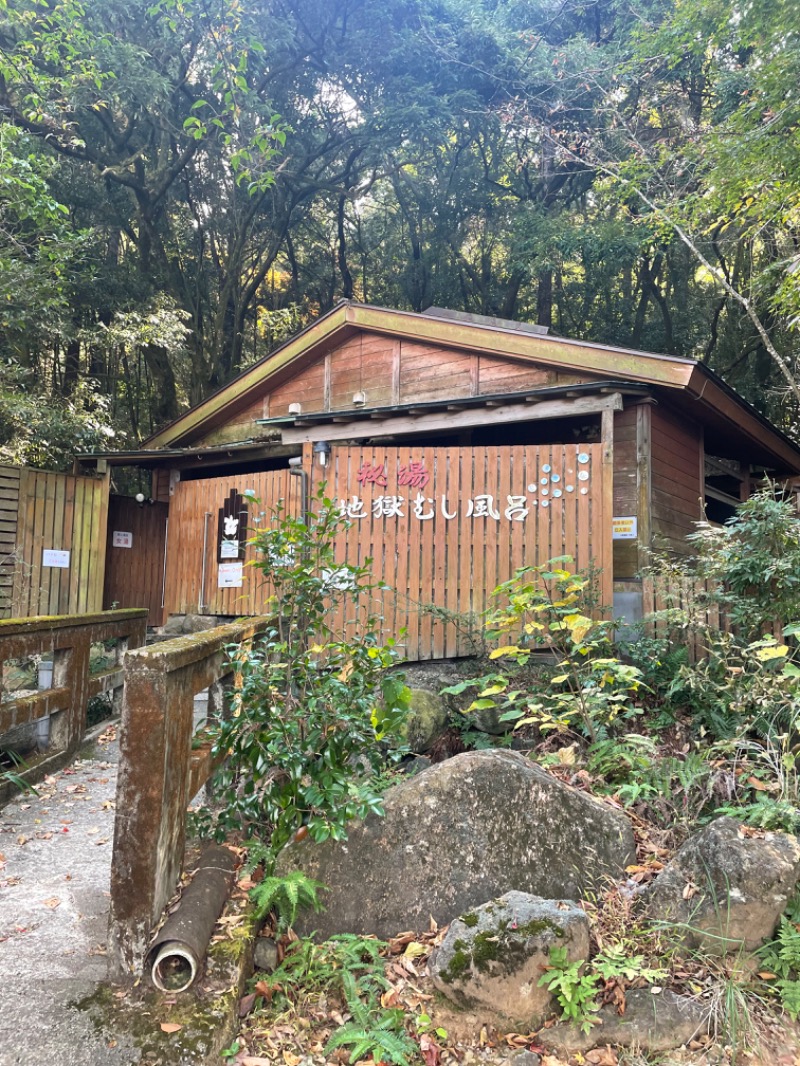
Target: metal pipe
{"points": [[175, 957], [164, 567], [202, 606], [300, 472]]}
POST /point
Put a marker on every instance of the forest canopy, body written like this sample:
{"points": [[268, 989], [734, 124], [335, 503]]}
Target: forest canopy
{"points": [[186, 184]]}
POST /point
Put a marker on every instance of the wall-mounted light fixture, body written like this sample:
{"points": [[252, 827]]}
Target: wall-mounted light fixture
{"points": [[359, 398], [322, 450], [295, 408], [139, 497]]}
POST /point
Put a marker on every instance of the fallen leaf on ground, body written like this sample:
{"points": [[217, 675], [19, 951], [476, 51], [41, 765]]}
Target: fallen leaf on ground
{"points": [[170, 1027], [52, 902], [246, 1004]]}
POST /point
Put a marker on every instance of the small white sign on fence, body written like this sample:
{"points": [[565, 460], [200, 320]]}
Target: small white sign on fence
{"points": [[122, 540], [230, 575], [57, 559], [624, 528]]}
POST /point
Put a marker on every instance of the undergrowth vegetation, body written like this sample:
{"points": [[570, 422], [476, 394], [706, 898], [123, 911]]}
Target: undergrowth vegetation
{"points": [[692, 714]]}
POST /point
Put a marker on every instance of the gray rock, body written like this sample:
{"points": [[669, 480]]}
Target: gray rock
{"points": [[524, 1058], [726, 888], [416, 765], [427, 718], [494, 957], [265, 954], [463, 832], [651, 1022]]}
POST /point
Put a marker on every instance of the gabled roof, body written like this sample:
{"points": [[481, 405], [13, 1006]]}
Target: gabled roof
{"points": [[716, 402]]}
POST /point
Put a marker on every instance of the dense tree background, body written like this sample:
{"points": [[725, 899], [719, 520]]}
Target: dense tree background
{"points": [[187, 182]]}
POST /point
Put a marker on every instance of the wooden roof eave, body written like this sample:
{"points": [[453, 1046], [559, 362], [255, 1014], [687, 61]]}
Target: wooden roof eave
{"points": [[347, 319], [719, 401]]}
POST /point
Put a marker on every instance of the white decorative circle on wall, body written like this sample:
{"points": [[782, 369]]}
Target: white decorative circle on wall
{"points": [[570, 488], [583, 475], [584, 491], [545, 503], [556, 477], [557, 492], [545, 492], [583, 458], [532, 488], [545, 481]]}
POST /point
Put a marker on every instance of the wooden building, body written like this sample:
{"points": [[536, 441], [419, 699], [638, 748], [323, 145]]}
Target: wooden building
{"points": [[460, 447]]}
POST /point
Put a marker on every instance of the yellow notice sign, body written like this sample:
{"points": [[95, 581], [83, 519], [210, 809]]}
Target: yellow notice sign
{"points": [[624, 528]]}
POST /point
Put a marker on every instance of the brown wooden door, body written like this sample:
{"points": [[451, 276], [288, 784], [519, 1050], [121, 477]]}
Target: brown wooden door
{"points": [[135, 556]]}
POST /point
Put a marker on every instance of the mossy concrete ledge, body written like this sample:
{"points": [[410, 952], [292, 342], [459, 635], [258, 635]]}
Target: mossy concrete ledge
{"points": [[208, 1014]]}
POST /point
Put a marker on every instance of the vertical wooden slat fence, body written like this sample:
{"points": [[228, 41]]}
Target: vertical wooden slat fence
{"points": [[445, 526], [134, 567], [42, 511], [192, 585], [682, 609]]}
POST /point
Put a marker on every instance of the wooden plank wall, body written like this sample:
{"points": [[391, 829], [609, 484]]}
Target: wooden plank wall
{"points": [[134, 575], [390, 371], [191, 501], [64, 513], [9, 508], [455, 562], [677, 480]]}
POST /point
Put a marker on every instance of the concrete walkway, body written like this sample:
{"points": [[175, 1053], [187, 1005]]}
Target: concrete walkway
{"points": [[55, 860]]}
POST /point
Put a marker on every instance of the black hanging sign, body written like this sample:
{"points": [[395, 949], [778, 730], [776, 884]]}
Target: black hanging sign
{"points": [[232, 529]]}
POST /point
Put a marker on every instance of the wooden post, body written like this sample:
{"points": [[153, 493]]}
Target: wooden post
{"points": [[643, 484], [606, 559]]}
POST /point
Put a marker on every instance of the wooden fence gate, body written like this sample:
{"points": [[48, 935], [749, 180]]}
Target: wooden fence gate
{"points": [[52, 551]]}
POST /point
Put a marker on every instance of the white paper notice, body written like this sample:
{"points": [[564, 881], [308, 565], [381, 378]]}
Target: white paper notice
{"points": [[121, 540], [229, 549], [230, 575], [624, 528], [57, 559]]}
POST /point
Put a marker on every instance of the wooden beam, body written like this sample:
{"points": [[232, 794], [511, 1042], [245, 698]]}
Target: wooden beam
{"points": [[436, 421], [606, 534], [644, 483]]}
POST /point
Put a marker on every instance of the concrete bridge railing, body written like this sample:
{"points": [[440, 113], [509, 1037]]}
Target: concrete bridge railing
{"points": [[68, 640], [162, 766]]}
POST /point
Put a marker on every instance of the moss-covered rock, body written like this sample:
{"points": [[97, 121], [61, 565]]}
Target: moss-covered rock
{"points": [[493, 957], [427, 718]]}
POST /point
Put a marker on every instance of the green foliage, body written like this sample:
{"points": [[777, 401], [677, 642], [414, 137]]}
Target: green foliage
{"points": [[286, 896], [754, 562], [316, 713], [573, 987], [42, 430], [781, 956], [576, 985], [373, 1030], [544, 608]]}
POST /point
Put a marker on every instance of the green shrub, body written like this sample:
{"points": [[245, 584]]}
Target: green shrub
{"points": [[316, 714]]}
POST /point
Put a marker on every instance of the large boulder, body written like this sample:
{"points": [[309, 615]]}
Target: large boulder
{"points": [[463, 832], [492, 958], [727, 887]]}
